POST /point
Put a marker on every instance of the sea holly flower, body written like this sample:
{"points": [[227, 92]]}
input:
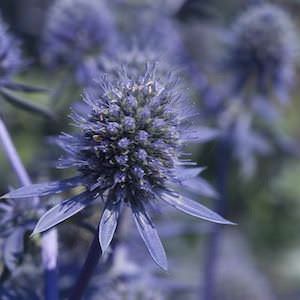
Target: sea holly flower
{"points": [[129, 152], [76, 30], [262, 50], [11, 63]]}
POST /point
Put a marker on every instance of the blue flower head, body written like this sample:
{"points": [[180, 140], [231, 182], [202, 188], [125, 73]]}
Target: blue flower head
{"points": [[263, 51], [129, 152], [75, 30]]}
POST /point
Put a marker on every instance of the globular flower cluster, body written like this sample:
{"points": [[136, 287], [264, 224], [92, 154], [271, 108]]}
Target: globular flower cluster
{"points": [[10, 54], [263, 49], [129, 153], [75, 30]]}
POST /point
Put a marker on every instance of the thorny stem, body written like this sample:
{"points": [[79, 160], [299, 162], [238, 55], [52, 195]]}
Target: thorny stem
{"points": [[214, 238], [94, 255], [49, 239]]}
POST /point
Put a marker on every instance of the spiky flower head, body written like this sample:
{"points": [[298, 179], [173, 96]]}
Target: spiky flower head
{"points": [[263, 49], [10, 53], [128, 152], [76, 29]]}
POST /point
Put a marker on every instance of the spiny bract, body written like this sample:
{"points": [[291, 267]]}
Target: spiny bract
{"points": [[129, 153], [263, 48]]}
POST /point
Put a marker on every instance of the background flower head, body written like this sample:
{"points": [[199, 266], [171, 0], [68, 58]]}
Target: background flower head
{"points": [[75, 30], [262, 50]]}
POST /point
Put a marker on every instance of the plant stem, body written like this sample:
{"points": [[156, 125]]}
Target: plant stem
{"points": [[210, 264], [12, 155], [94, 255], [49, 256], [87, 270], [49, 239]]}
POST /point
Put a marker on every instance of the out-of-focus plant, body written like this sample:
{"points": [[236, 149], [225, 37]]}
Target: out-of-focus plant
{"points": [[258, 70], [14, 226], [11, 63], [75, 31]]}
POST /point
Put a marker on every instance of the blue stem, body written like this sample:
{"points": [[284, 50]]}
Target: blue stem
{"points": [[51, 291], [210, 264], [87, 270], [95, 253]]}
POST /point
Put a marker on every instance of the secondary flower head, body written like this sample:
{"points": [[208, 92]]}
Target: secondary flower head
{"points": [[133, 57], [76, 29], [128, 152], [263, 49]]}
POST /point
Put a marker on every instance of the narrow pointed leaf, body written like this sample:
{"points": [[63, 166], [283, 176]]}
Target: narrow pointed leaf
{"points": [[200, 135], [187, 173], [150, 237], [63, 211], [201, 187], [21, 87], [194, 208], [26, 105], [44, 189], [108, 223]]}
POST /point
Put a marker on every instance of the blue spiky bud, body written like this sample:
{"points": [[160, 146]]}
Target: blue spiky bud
{"points": [[75, 30], [263, 50]]}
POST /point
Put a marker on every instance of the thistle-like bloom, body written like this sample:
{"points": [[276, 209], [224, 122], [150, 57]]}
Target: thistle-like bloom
{"points": [[263, 50], [11, 63], [75, 30], [129, 153]]}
